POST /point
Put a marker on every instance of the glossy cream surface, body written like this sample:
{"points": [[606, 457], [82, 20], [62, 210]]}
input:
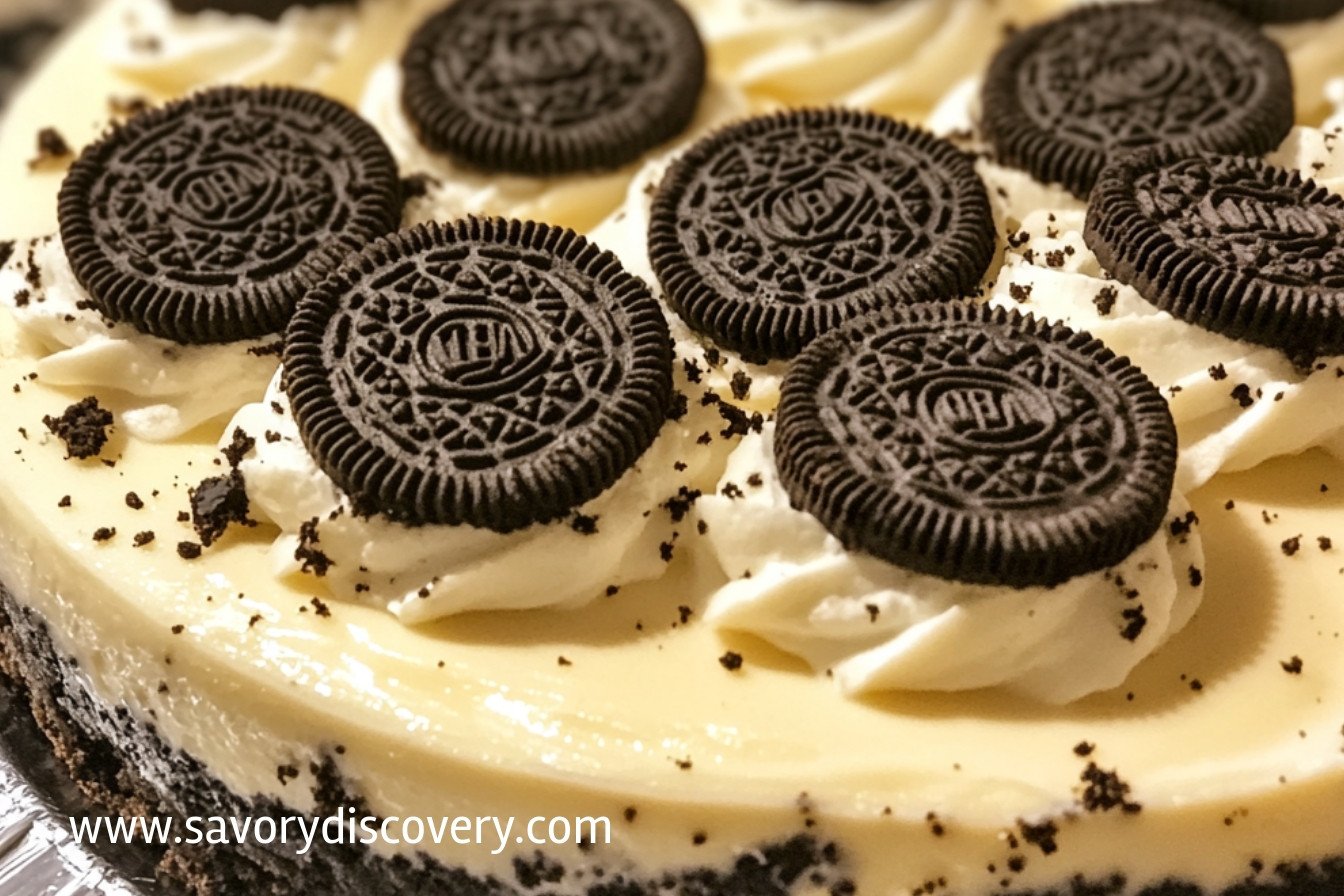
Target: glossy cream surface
{"points": [[475, 715]]}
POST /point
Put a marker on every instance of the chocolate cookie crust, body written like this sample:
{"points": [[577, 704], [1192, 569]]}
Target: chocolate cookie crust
{"points": [[1065, 97], [113, 757]]}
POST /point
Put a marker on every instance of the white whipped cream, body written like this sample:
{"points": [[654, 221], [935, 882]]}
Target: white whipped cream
{"points": [[454, 190], [874, 626], [897, 56], [172, 52], [421, 573], [169, 388]]}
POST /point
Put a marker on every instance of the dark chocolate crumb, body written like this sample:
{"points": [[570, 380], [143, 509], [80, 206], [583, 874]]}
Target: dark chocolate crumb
{"points": [[1135, 622], [1182, 525], [693, 372], [1105, 300], [1292, 666], [64, 502], [1196, 576], [188, 550], [307, 553], [133, 501], [1291, 546], [699, 838], [740, 385], [630, 813], [268, 349], [82, 426], [1242, 395], [563, 661], [684, 613], [239, 448], [1083, 748], [584, 524], [51, 147], [1019, 293], [143, 538], [217, 503], [665, 551], [1218, 373], [320, 607], [104, 533], [1105, 791], [286, 773], [873, 611], [178, 629], [1324, 542], [731, 661], [613, 590]]}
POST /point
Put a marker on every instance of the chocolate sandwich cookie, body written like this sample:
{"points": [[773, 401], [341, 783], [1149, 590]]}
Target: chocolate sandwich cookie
{"points": [[540, 88], [1228, 243], [779, 228], [1065, 97], [205, 220], [1285, 10], [490, 373], [976, 444], [266, 9]]}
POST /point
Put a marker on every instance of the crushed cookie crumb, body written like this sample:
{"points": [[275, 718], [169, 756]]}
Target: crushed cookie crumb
{"points": [[1105, 300], [740, 385], [52, 147], [1105, 791], [104, 533], [732, 661], [307, 553], [83, 427], [188, 550], [584, 524], [1291, 546], [1019, 293], [143, 538], [1293, 666], [320, 607], [134, 501], [217, 503]]}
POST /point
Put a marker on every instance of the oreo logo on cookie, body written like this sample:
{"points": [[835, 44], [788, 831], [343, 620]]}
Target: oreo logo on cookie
{"points": [[489, 373], [204, 221], [976, 444], [1064, 98], [541, 88], [779, 228], [1228, 243]]}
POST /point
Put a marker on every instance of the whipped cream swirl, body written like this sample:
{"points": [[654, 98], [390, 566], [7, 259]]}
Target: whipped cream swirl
{"points": [[172, 52], [873, 626], [168, 388], [627, 534]]}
